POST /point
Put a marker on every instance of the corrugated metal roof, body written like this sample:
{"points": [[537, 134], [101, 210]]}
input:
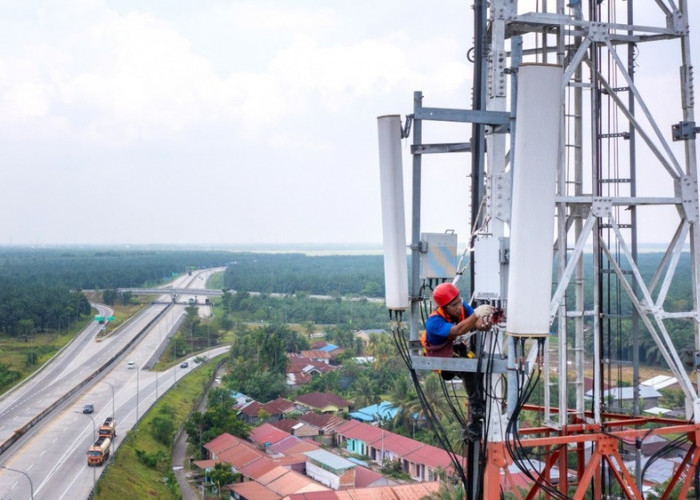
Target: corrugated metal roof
{"points": [[321, 399], [205, 464], [221, 442], [358, 430], [272, 474], [322, 421], [627, 393], [364, 477], [294, 482], [330, 459], [250, 490], [257, 468], [267, 433], [278, 406], [660, 381], [251, 409], [416, 491], [292, 444], [394, 443], [241, 455], [431, 456]]}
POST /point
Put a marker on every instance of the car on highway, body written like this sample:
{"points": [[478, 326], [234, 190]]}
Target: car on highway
{"points": [[131, 365], [88, 408], [184, 364]]}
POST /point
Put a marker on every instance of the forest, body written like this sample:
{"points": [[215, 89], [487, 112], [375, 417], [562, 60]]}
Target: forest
{"points": [[338, 275], [42, 288]]}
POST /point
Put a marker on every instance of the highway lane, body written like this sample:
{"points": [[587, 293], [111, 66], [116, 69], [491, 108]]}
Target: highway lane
{"points": [[55, 450], [56, 455], [20, 404], [83, 358]]}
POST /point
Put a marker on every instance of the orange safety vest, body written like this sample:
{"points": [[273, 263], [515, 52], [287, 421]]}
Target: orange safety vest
{"points": [[443, 350]]}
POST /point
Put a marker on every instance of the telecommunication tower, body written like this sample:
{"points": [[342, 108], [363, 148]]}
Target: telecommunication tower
{"points": [[571, 156]]}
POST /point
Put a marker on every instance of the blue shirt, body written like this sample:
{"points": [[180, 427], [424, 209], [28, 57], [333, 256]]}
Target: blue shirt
{"points": [[437, 328]]}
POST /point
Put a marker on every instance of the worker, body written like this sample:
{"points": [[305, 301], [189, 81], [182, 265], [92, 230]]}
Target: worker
{"points": [[452, 319]]}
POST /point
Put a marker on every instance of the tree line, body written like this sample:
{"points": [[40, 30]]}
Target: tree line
{"points": [[41, 289], [338, 275]]}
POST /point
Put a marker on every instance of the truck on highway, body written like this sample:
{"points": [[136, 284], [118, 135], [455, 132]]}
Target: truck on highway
{"points": [[99, 452], [108, 428]]}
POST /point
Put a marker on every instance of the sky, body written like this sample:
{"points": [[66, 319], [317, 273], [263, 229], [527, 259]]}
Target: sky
{"points": [[221, 122]]}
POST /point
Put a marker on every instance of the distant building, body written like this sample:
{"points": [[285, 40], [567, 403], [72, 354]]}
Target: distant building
{"points": [[375, 413], [662, 382], [421, 461], [332, 470], [273, 410], [300, 370], [325, 423], [324, 402], [624, 396]]}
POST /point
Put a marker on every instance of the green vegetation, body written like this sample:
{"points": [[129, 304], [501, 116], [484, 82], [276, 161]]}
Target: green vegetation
{"points": [[98, 269], [293, 273], [300, 309], [21, 357], [141, 466], [219, 417]]}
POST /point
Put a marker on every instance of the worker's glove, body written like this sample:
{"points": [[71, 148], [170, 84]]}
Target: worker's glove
{"points": [[484, 310]]}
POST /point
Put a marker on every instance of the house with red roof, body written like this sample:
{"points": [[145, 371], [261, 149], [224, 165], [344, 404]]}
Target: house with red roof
{"points": [[249, 412], [240, 455], [271, 411], [278, 483], [425, 462], [325, 423], [316, 355], [267, 434], [291, 445], [367, 478], [257, 468], [390, 446], [421, 461], [219, 444], [416, 491], [252, 490], [324, 402], [300, 370], [356, 437]]}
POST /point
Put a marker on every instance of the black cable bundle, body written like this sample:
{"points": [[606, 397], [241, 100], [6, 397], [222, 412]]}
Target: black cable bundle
{"points": [[514, 446], [403, 349]]}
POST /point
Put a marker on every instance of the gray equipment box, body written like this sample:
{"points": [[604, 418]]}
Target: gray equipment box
{"points": [[439, 260]]}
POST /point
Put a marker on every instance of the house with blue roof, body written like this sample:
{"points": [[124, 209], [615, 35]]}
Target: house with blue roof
{"points": [[328, 348], [375, 413]]}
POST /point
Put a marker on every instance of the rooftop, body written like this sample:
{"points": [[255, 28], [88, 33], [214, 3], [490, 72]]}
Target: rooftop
{"points": [[322, 399], [332, 460], [267, 434]]}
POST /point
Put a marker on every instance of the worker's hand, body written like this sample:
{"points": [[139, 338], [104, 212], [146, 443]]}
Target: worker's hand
{"points": [[484, 311]]}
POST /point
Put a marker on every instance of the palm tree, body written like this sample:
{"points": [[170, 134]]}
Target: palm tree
{"points": [[365, 391], [404, 398], [434, 396]]}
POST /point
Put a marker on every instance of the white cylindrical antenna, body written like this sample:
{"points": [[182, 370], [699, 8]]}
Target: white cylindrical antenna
{"points": [[536, 150], [393, 218]]}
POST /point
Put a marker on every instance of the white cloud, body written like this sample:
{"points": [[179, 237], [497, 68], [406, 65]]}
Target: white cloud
{"points": [[118, 108]]}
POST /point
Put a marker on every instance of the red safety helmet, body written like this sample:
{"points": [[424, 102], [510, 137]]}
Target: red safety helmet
{"points": [[444, 293]]}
